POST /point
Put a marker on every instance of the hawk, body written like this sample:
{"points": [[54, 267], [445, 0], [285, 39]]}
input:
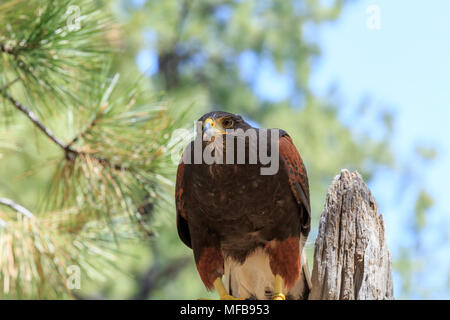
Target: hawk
{"points": [[247, 227]]}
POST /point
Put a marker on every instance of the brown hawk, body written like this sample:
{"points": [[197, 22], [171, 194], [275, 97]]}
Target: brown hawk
{"points": [[241, 224]]}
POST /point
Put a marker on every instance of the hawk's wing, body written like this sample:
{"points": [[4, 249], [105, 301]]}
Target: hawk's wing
{"points": [[182, 224], [298, 178]]}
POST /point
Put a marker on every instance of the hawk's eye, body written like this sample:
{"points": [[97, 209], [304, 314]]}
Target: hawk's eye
{"points": [[228, 123]]}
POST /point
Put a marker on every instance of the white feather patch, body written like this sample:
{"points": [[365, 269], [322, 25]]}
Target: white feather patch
{"points": [[254, 279]]}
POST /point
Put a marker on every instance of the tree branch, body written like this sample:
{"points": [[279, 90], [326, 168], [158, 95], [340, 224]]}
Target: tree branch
{"points": [[86, 130], [30, 115], [155, 276], [105, 162], [69, 152], [6, 49], [17, 207]]}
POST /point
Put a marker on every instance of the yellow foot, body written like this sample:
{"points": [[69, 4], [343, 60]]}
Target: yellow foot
{"points": [[278, 296], [223, 293], [228, 297]]}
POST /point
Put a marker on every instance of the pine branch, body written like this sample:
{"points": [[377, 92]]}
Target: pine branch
{"points": [[69, 152], [17, 207], [12, 82], [6, 49], [30, 115], [86, 130], [47, 53], [45, 246], [116, 159]]}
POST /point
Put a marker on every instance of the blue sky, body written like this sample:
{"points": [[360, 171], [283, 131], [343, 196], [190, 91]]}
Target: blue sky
{"points": [[403, 67]]}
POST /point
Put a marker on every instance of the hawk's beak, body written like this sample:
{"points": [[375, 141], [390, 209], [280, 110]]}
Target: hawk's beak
{"points": [[211, 129]]}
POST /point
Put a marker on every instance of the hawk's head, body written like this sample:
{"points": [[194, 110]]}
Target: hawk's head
{"points": [[218, 122]]}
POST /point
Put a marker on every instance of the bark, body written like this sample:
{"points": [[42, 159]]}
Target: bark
{"points": [[351, 257]]}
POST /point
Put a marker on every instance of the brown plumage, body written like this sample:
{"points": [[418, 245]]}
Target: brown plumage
{"points": [[242, 224]]}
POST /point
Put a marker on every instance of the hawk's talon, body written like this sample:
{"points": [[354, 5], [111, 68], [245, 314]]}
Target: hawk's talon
{"points": [[278, 296], [223, 293], [229, 297]]}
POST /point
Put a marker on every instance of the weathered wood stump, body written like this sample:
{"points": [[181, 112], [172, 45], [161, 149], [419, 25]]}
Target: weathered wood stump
{"points": [[351, 258]]}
